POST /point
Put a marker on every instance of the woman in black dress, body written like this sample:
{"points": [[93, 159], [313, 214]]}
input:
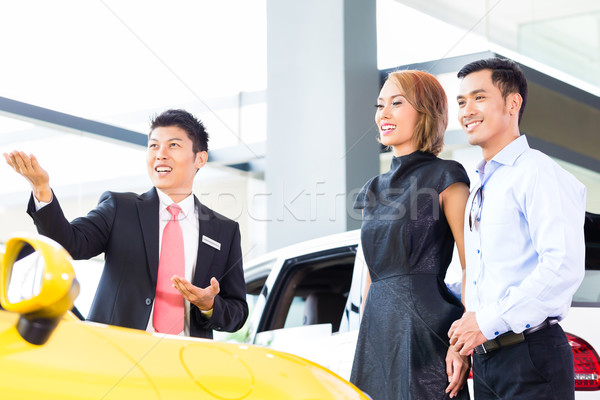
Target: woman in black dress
{"points": [[412, 215]]}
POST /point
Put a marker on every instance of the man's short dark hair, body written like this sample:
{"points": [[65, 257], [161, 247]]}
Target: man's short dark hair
{"points": [[186, 121], [506, 75]]}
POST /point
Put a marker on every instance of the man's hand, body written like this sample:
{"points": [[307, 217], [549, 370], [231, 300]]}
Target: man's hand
{"points": [[465, 334], [457, 368], [30, 169], [204, 299]]}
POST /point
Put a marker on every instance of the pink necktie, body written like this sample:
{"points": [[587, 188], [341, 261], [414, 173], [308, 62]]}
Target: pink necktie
{"points": [[168, 305]]}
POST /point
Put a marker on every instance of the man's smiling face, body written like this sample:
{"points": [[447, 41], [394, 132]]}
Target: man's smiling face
{"points": [[482, 111], [171, 161]]}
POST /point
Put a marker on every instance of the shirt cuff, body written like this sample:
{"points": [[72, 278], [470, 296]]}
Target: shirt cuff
{"points": [[490, 324], [208, 313], [40, 204]]}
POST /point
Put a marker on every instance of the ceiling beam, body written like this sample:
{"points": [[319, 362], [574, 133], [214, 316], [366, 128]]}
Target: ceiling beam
{"points": [[68, 123]]}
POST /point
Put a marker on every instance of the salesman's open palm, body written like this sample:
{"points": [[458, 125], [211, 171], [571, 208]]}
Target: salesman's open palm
{"points": [[204, 299]]}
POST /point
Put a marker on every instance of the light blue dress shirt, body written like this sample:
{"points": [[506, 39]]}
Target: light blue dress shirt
{"points": [[525, 252]]}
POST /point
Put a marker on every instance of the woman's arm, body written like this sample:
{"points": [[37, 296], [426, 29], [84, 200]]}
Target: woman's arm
{"points": [[365, 291], [453, 201]]}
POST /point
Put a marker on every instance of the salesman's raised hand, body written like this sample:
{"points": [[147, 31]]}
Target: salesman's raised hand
{"points": [[29, 167], [204, 299]]}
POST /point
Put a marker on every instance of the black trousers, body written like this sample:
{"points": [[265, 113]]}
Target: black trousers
{"points": [[541, 367]]}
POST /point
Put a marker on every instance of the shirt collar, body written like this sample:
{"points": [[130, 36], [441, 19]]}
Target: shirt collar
{"points": [[507, 156], [187, 205], [511, 152]]}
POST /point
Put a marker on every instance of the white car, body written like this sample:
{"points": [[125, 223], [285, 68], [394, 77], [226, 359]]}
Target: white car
{"points": [[305, 299]]}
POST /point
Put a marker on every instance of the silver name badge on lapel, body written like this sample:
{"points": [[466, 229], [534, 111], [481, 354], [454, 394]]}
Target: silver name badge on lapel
{"points": [[211, 242]]}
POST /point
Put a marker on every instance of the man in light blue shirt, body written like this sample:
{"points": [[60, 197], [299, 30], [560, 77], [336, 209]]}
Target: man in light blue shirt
{"points": [[524, 246]]}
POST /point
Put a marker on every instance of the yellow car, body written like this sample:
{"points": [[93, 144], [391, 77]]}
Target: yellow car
{"points": [[47, 353]]}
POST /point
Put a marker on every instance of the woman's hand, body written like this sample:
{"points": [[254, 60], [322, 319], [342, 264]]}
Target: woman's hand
{"points": [[457, 368]]}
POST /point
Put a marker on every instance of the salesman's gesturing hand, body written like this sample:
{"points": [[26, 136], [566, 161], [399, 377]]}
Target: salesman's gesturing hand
{"points": [[28, 167], [465, 334], [204, 299]]}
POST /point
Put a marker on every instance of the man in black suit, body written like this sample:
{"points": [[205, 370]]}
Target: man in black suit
{"points": [[128, 227]]}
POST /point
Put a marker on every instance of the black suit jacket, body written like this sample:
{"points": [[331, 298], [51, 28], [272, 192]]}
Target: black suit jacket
{"points": [[125, 227]]}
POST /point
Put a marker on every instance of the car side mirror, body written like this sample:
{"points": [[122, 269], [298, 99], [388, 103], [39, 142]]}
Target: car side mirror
{"points": [[37, 280]]}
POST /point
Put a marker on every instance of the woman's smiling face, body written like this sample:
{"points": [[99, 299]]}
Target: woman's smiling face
{"points": [[396, 119]]}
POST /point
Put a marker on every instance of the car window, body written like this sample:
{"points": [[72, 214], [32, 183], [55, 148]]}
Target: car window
{"points": [[253, 289], [295, 316], [310, 290]]}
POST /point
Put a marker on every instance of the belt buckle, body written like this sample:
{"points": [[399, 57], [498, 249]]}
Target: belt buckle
{"points": [[481, 349], [485, 351]]}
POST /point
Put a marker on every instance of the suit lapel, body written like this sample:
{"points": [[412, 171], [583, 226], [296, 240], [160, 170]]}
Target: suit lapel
{"points": [[208, 228], [147, 207]]}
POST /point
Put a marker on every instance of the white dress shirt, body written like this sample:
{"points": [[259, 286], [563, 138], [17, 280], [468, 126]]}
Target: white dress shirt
{"points": [[525, 254]]}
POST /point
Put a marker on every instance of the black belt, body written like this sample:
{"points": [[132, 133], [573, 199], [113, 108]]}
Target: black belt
{"points": [[509, 338]]}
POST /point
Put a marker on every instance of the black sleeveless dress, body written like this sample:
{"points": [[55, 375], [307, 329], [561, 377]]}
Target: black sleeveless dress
{"points": [[408, 245]]}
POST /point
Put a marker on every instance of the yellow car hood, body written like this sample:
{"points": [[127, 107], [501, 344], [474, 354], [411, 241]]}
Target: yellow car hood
{"points": [[84, 360]]}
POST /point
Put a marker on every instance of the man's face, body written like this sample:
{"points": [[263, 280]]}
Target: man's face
{"points": [[482, 111], [171, 161]]}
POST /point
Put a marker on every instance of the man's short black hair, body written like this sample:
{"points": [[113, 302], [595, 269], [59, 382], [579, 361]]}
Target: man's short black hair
{"points": [[186, 121], [506, 75]]}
